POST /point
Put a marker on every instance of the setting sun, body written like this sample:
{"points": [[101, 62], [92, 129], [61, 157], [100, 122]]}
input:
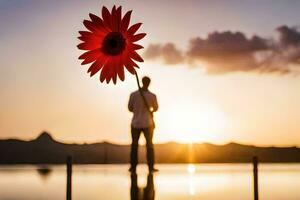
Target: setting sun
{"points": [[197, 122]]}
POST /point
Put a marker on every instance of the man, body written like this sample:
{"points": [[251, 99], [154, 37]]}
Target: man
{"points": [[142, 103]]}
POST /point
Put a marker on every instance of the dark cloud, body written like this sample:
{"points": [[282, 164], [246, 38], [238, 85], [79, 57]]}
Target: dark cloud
{"points": [[227, 51], [288, 36], [225, 43], [289, 44], [224, 52], [285, 53]]}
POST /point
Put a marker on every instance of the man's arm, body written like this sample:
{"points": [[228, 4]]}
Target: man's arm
{"points": [[130, 103], [155, 104]]}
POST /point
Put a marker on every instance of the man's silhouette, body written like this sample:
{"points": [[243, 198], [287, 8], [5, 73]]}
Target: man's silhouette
{"points": [[142, 103]]}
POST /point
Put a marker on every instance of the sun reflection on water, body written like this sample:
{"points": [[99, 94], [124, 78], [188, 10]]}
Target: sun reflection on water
{"points": [[191, 169]]}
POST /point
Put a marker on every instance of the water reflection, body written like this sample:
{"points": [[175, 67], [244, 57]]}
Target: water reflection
{"points": [[138, 193], [172, 182], [44, 171], [191, 170]]}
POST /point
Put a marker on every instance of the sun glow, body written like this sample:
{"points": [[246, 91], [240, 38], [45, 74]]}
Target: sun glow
{"points": [[197, 122]]}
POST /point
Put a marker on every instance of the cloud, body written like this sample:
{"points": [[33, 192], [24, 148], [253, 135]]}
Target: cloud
{"points": [[284, 53], [289, 44], [226, 52], [226, 43], [167, 52], [289, 36]]}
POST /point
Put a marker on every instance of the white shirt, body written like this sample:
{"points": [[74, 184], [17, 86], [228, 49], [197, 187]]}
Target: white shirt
{"points": [[141, 116]]}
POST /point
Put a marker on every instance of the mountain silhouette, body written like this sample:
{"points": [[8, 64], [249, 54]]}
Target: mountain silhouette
{"points": [[46, 150], [45, 138]]}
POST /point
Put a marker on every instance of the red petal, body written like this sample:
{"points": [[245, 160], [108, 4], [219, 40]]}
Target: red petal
{"points": [[110, 71], [96, 66], [134, 28], [92, 38], [82, 38], [137, 37], [104, 72], [88, 53], [121, 72], [127, 60], [119, 68], [106, 17], [114, 23], [129, 64], [90, 25], [88, 46], [113, 10], [136, 47], [96, 20], [125, 21], [86, 33], [136, 56], [98, 35], [107, 71], [113, 69], [90, 56], [119, 17], [133, 63], [130, 68], [114, 74]]}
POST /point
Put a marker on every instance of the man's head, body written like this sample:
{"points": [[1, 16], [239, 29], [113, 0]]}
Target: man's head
{"points": [[146, 82]]}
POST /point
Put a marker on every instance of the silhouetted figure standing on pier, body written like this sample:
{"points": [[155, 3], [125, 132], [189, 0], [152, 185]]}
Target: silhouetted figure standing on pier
{"points": [[142, 122]]}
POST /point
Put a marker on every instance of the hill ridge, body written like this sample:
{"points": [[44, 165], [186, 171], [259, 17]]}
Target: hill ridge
{"points": [[46, 150]]}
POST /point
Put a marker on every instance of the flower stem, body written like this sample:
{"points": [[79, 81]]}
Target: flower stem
{"points": [[137, 80]]}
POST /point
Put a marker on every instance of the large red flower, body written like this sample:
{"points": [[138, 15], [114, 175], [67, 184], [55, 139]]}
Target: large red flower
{"points": [[110, 44]]}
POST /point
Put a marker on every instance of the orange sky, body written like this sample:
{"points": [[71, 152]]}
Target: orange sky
{"points": [[44, 87]]}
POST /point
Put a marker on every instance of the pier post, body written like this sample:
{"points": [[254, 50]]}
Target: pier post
{"points": [[255, 177], [69, 178]]}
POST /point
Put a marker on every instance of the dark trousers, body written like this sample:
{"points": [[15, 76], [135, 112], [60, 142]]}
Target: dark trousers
{"points": [[135, 134]]}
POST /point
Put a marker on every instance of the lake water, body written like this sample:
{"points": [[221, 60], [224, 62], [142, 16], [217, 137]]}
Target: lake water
{"points": [[172, 182]]}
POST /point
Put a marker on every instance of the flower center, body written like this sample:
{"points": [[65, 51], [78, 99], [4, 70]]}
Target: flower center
{"points": [[113, 43]]}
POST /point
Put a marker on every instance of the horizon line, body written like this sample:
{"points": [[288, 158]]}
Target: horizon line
{"points": [[159, 143]]}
